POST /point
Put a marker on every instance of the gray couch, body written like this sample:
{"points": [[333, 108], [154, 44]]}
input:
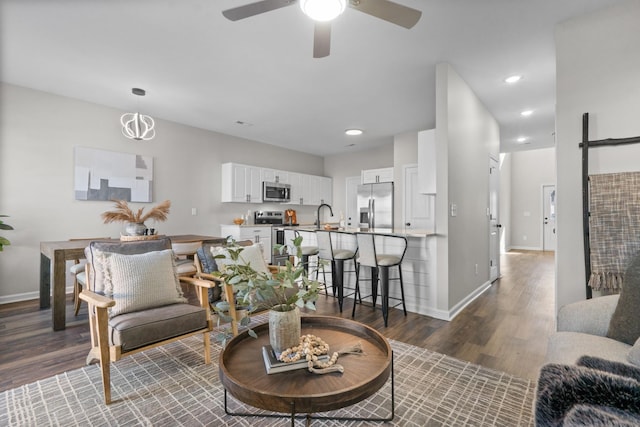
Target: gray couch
{"points": [[582, 330], [589, 379]]}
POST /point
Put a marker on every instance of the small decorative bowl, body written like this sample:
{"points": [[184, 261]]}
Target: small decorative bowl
{"points": [[238, 221]]}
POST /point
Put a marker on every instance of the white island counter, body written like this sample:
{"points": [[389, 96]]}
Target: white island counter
{"points": [[418, 268]]}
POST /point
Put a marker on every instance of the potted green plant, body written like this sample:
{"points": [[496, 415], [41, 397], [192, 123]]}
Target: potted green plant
{"points": [[3, 226], [283, 292]]}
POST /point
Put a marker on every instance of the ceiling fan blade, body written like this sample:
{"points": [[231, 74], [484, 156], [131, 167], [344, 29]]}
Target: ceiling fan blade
{"points": [[321, 39], [256, 8], [389, 11]]}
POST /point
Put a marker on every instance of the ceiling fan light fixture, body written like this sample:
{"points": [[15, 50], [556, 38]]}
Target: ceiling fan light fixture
{"points": [[323, 10]]}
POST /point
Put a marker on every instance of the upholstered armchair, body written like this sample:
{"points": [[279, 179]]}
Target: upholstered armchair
{"points": [[136, 302]]}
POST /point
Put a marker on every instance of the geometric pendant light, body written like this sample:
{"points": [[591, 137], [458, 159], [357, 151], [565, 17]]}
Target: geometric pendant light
{"points": [[137, 126]]}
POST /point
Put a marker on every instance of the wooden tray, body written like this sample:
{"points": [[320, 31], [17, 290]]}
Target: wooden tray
{"points": [[137, 238], [243, 374]]}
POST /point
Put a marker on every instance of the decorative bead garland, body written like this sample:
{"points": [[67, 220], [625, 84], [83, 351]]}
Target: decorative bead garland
{"points": [[310, 347]]}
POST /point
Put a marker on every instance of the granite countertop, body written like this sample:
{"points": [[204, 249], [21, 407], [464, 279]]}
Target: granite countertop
{"points": [[402, 233]]}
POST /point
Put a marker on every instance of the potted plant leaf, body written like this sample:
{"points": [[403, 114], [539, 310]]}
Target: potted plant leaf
{"points": [[283, 292], [3, 226]]}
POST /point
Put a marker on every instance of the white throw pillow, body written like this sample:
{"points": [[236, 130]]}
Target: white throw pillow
{"points": [[141, 281], [250, 255]]}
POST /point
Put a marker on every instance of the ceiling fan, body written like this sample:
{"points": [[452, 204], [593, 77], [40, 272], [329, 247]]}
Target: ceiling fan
{"points": [[384, 9]]}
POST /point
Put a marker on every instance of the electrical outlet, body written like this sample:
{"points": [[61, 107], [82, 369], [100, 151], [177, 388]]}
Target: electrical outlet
{"points": [[524, 237], [454, 209], [194, 211], [476, 268]]}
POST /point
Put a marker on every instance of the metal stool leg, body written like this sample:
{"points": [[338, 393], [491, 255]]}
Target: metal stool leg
{"points": [[404, 307], [384, 282]]}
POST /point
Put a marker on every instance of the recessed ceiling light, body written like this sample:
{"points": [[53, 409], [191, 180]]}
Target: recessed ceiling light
{"points": [[526, 113], [353, 132], [513, 79], [522, 139]]}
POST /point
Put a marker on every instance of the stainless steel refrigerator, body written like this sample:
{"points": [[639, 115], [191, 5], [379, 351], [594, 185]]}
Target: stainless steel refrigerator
{"points": [[375, 206]]}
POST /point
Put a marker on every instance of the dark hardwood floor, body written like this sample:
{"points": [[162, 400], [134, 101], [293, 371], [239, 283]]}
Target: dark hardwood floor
{"points": [[506, 328]]}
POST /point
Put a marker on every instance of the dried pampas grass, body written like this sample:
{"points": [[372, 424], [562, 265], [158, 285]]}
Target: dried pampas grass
{"points": [[123, 213]]}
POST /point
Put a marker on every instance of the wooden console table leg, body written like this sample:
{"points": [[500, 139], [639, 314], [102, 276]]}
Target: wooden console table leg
{"points": [[45, 281], [59, 295]]}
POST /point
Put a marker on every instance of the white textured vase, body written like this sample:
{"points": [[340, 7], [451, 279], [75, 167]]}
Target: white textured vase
{"points": [[284, 329], [135, 229]]}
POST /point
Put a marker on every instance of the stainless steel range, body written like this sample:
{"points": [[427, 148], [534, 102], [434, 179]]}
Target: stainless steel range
{"points": [[268, 217], [276, 219]]}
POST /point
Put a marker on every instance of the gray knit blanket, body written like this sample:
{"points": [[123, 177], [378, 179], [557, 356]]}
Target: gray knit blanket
{"points": [[596, 392], [614, 227]]}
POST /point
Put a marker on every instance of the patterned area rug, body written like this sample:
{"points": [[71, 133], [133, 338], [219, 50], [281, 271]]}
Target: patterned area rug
{"points": [[171, 386]]}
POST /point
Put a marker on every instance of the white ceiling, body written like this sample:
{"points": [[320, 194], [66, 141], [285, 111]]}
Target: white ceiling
{"points": [[202, 70]]}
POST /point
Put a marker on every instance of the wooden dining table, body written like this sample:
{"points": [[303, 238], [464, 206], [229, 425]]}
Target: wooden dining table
{"points": [[53, 263]]}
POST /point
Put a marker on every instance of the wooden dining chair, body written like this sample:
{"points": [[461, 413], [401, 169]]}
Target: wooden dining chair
{"points": [[79, 276]]}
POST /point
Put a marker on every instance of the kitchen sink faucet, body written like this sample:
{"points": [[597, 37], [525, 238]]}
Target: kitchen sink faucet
{"points": [[318, 214]]}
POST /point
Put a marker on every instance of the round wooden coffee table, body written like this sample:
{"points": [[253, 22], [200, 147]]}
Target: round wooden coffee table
{"points": [[243, 374]]}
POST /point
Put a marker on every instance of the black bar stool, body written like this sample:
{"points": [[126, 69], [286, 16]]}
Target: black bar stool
{"points": [[345, 250], [380, 262]]}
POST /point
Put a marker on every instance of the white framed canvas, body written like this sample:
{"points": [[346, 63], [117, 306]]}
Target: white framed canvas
{"points": [[110, 175]]}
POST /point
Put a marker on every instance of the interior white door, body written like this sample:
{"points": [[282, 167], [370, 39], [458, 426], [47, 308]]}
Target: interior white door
{"points": [[418, 208], [494, 221], [549, 215]]}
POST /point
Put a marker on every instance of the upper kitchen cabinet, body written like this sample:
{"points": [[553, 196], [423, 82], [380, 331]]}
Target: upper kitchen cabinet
{"points": [[295, 180], [241, 183], [326, 190], [427, 161], [310, 189], [317, 190], [373, 176], [272, 175]]}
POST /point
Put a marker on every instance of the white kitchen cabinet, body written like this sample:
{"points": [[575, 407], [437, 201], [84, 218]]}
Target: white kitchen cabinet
{"points": [[317, 190], [418, 208], [310, 190], [273, 175], [373, 176], [326, 190], [295, 180], [427, 161], [241, 183], [258, 234]]}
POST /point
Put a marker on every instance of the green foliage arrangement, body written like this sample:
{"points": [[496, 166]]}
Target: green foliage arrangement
{"points": [[284, 289], [3, 226]]}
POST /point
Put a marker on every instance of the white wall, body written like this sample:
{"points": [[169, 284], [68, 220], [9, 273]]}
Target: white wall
{"points": [[530, 171], [598, 64], [38, 133], [469, 134], [341, 166]]}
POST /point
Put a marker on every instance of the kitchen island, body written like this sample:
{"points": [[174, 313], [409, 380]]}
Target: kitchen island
{"points": [[418, 267]]}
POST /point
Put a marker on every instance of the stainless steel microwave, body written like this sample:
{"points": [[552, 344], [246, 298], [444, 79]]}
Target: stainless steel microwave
{"points": [[276, 192]]}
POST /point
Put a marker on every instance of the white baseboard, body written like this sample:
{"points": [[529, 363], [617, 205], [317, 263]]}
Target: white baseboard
{"points": [[7, 299], [526, 248], [468, 300]]}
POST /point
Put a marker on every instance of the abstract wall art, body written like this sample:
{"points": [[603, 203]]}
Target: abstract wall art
{"points": [[109, 175]]}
